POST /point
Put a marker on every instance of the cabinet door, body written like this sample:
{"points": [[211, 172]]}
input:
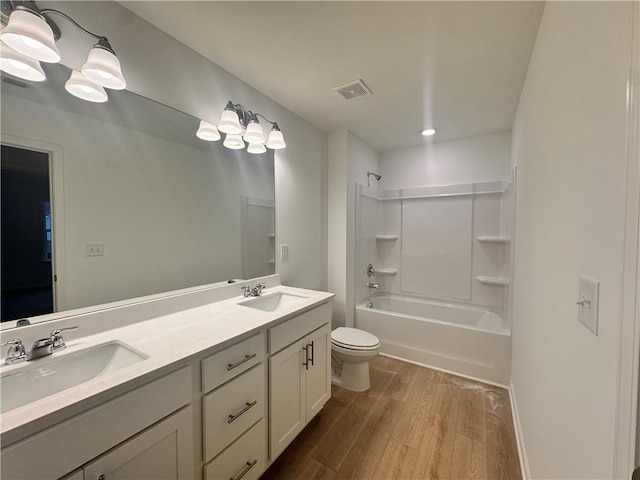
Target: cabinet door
{"points": [[162, 452], [287, 396], [319, 372]]}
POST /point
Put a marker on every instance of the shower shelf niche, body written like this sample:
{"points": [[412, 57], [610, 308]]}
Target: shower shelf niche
{"points": [[492, 239], [499, 281], [387, 271], [387, 237]]}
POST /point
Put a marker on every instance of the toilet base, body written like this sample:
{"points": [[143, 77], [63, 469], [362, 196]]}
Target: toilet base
{"points": [[354, 377]]}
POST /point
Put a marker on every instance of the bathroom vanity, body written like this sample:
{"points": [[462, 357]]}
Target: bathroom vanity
{"points": [[201, 384]]}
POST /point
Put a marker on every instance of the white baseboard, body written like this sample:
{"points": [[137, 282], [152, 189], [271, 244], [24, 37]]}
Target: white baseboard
{"points": [[522, 452]]}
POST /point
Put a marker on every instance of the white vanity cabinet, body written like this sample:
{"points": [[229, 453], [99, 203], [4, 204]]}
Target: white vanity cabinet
{"points": [[222, 406], [299, 374]]}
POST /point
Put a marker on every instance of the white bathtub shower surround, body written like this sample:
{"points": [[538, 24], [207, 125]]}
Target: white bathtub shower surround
{"points": [[468, 341], [438, 242]]}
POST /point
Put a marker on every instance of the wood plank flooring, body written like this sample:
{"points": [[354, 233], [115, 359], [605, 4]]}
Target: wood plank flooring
{"points": [[413, 423]]}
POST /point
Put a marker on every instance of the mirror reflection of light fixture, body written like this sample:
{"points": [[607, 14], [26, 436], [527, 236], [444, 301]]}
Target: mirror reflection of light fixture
{"points": [[233, 141], [208, 132], [256, 148], [81, 87], [31, 32], [239, 124], [20, 65]]}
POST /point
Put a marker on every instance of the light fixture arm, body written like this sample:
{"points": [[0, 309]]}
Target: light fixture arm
{"points": [[9, 6], [102, 41], [244, 116], [273, 124]]}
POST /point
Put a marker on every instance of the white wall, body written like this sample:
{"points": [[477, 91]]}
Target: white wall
{"points": [[349, 160], [483, 158], [159, 67], [569, 146], [167, 213]]}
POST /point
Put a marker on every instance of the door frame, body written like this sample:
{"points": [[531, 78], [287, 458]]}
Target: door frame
{"points": [[627, 443], [56, 194]]}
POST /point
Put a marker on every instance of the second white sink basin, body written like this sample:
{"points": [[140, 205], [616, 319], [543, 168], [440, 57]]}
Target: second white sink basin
{"points": [[273, 302], [40, 378]]}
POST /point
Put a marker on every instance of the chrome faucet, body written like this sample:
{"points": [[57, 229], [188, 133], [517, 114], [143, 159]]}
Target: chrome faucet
{"points": [[373, 285], [253, 292], [49, 345], [16, 352]]}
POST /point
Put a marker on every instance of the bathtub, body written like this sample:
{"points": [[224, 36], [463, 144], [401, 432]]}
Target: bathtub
{"points": [[469, 341]]}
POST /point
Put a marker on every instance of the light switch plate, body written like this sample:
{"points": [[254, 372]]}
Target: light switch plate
{"points": [[284, 252], [94, 249], [588, 292]]}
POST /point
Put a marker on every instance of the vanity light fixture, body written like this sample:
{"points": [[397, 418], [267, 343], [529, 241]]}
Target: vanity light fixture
{"points": [[31, 32], [240, 126], [427, 132]]}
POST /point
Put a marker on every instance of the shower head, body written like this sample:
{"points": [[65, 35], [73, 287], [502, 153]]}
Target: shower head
{"points": [[376, 176]]}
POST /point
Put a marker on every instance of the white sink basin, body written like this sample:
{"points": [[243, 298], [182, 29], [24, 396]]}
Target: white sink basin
{"points": [[40, 378], [273, 302]]}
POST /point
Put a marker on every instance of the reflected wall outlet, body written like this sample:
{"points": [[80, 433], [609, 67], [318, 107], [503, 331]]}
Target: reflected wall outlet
{"points": [[284, 252], [588, 291], [95, 249]]}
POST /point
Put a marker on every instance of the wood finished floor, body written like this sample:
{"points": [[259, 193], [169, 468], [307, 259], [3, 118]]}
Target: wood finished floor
{"points": [[413, 423]]}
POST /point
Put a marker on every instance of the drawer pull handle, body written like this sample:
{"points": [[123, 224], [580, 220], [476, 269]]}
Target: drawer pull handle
{"points": [[312, 352], [306, 357], [246, 469], [246, 358], [246, 407]]}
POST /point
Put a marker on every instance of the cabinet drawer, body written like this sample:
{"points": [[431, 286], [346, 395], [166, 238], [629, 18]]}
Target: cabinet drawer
{"points": [[232, 409], [288, 332], [246, 455], [223, 366]]}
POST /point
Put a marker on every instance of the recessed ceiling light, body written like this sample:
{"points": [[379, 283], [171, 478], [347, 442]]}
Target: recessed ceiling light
{"points": [[427, 132]]}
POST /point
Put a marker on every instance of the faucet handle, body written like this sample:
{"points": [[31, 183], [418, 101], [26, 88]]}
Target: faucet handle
{"points": [[16, 352], [57, 342]]}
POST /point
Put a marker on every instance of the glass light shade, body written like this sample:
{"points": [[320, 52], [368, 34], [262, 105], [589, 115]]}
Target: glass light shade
{"points": [[80, 86], [29, 34], [276, 140], [229, 123], [254, 133], [256, 148], [208, 131], [20, 65], [233, 141], [103, 68]]}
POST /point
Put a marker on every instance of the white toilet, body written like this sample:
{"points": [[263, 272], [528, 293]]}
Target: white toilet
{"points": [[351, 350]]}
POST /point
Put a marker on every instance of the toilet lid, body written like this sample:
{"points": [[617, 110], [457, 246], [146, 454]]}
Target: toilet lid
{"points": [[354, 338]]}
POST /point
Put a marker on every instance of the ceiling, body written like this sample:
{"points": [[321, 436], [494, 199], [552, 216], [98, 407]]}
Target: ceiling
{"points": [[457, 66]]}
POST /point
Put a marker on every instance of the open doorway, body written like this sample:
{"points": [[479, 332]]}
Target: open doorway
{"points": [[26, 230]]}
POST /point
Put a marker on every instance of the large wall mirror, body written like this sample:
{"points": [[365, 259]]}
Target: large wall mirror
{"points": [[121, 200]]}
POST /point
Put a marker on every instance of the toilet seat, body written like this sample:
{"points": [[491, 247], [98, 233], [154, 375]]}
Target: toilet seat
{"points": [[354, 339]]}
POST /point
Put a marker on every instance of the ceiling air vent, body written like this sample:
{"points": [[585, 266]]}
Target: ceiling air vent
{"points": [[353, 90]]}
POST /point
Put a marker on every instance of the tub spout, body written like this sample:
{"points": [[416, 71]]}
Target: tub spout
{"points": [[373, 285]]}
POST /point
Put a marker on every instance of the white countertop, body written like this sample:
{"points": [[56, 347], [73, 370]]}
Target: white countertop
{"points": [[166, 340]]}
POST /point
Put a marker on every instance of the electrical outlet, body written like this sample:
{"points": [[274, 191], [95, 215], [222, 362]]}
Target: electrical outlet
{"points": [[284, 252], [95, 249], [588, 292]]}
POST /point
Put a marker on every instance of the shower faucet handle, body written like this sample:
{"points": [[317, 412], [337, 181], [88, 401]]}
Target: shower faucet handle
{"points": [[371, 271]]}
